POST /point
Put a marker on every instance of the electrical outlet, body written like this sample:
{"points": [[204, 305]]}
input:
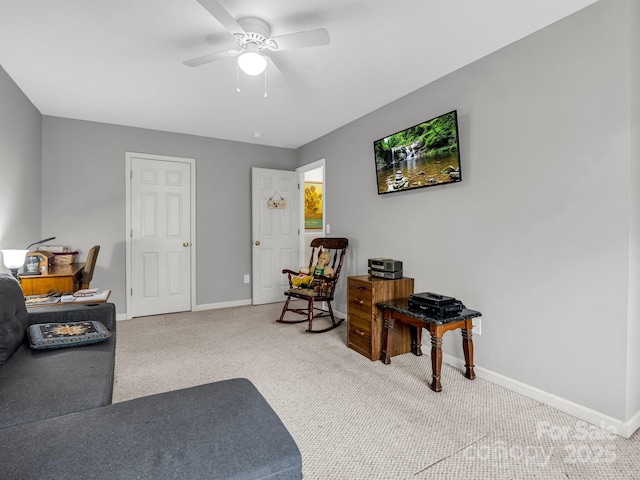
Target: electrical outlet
{"points": [[247, 279], [477, 326]]}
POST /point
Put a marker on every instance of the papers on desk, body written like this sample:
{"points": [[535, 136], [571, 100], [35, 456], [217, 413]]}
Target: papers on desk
{"points": [[85, 292], [86, 296], [92, 295], [40, 300]]}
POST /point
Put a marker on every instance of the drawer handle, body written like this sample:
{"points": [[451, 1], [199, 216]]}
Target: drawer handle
{"points": [[359, 332], [357, 301]]}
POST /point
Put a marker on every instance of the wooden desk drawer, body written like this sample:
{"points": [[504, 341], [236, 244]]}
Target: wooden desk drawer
{"points": [[359, 336], [360, 299], [38, 285]]}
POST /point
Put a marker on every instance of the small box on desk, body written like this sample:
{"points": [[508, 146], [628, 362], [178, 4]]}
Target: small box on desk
{"points": [[45, 260]]}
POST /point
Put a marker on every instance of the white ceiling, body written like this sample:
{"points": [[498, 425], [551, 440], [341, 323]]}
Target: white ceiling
{"points": [[120, 61]]}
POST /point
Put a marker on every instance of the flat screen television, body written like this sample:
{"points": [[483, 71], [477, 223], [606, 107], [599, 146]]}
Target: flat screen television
{"points": [[424, 155]]}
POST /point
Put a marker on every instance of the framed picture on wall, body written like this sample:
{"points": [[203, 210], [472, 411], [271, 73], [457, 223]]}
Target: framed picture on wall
{"points": [[313, 205]]}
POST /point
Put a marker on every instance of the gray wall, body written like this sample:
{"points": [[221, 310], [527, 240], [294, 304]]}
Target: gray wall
{"points": [[20, 147], [537, 235], [83, 197]]}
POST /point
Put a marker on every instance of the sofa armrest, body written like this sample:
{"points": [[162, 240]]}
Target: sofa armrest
{"points": [[104, 313]]}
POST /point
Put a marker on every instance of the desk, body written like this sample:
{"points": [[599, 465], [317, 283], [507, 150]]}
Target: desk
{"points": [[397, 310], [61, 278]]}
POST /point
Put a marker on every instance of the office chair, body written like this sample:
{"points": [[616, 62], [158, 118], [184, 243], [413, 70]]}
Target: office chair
{"points": [[89, 266]]}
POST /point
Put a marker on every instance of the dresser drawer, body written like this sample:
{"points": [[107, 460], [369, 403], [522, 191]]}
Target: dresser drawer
{"points": [[359, 336], [360, 299]]}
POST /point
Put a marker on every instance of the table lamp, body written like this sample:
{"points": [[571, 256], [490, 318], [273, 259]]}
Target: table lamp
{"points": [[14, 259]]}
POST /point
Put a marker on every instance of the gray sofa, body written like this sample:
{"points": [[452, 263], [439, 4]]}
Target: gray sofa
{"points": [[57, 420]]}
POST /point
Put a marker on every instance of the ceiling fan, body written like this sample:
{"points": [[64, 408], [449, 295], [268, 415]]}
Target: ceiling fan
{"points": [[254, 42]]}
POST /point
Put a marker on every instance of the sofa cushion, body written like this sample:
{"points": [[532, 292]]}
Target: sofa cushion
{"points": [[13, 316], [72, 334], [37, 384]]}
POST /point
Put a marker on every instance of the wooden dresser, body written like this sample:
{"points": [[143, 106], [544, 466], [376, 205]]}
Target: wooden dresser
{"points": [[364, 318]]}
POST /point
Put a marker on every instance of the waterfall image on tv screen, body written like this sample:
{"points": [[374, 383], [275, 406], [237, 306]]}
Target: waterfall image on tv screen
{"points": [[424, 155]]}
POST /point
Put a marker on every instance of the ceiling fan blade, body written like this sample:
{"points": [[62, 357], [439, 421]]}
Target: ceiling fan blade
{"points": [[212, 57], [222, 15], [309, 38], [275, 76]]}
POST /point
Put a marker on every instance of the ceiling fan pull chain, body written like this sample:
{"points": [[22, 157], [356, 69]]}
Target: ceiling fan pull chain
{"points": [[265, 83], [237, 78]]}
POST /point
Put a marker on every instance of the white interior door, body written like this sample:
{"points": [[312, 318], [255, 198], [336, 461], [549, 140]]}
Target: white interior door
{"points": [[275, 231], [160, 246]]}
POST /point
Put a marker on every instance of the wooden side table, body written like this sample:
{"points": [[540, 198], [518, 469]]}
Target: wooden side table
{"points": [[364, 319], [398, 311]]}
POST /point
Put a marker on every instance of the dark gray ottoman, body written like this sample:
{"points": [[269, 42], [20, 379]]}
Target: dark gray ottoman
{"points": [[222, 430]]}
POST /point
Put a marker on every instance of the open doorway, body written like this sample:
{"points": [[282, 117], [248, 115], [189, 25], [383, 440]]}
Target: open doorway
{"points": [[313, 215]]}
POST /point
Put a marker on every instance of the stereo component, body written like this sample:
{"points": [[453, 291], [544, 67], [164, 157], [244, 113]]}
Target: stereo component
{"points": [[387, 275], [385, 264]]}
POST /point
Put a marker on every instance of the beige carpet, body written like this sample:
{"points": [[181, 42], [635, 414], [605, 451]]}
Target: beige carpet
{"points": [[357, 419]]}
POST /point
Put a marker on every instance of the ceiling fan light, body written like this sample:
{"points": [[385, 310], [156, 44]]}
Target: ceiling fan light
{"points": [[252, 63]]}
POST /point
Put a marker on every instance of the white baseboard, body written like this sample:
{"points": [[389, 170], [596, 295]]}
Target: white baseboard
{"points": [[213, 306], [624, 429], [199, 308]]}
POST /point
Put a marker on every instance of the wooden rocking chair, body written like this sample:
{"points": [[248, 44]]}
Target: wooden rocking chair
{"points": [[322, 287]]}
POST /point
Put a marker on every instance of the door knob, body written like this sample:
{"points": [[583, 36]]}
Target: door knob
{"points": [[185, 244], [257, 242]]}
